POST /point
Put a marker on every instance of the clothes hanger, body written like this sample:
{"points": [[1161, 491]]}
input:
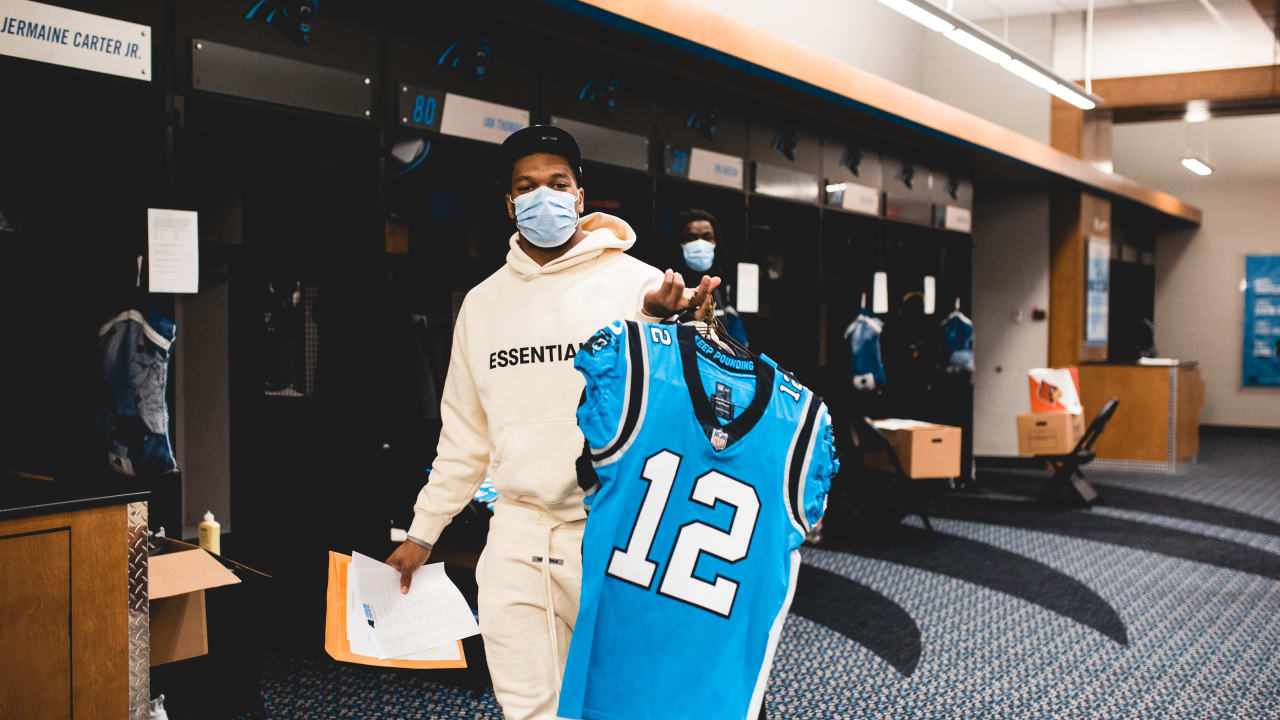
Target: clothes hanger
{"points": [[713, 330]]}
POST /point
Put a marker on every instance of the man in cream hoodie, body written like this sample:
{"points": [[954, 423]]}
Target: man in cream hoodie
{"points": [[509, 405]]}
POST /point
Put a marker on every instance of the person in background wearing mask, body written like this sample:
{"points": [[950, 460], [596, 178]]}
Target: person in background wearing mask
{"points": [[508, 409], [697, 232]]}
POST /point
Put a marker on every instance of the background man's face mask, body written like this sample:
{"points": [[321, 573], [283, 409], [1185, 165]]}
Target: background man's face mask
{"points": [[699, 254], [547, 218]]}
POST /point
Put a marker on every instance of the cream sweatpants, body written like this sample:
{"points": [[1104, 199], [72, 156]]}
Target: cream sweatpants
{"points": [[529, 577]]}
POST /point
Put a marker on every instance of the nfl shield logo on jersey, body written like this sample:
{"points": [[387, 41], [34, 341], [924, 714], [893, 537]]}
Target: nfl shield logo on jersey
{"points": [[719, 439]]}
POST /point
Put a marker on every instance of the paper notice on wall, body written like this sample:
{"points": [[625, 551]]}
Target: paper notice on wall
{"points": [[748, 288], [173, 251], [880, 293]]}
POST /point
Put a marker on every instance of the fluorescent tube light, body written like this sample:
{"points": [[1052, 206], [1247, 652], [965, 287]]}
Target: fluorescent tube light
{"points": [[1030, 74], [919, 14], [1197, 166], [971, 42], [1073, 97], [837, 187], [974, 38]]}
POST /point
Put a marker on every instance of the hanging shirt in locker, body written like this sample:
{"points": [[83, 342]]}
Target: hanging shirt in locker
{"points": [[957, 343], [866, 369], [711, 469]]}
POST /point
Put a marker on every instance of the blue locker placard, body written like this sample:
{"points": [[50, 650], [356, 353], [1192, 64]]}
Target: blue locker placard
{"points": [[1261, 366], [420, 107]]}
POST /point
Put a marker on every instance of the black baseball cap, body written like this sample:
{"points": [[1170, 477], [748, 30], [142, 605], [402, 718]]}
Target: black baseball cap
{"points": [[542, 139]]}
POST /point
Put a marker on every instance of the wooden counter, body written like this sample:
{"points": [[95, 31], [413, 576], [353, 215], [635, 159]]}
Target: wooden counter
{"points": [[65, 620], [1157, 424]]}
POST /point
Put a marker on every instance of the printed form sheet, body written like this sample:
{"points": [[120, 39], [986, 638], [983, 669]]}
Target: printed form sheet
{"points": [[424, 624]]}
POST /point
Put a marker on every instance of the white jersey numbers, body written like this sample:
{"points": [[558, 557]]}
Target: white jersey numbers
{"points": [[695, 538], [633, 565]]}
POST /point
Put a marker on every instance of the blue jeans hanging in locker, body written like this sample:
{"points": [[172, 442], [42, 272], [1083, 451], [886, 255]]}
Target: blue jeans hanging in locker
{"points": [[134, 422]]}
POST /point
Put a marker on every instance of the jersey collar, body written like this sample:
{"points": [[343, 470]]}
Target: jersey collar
{"points": [[691, 345]]}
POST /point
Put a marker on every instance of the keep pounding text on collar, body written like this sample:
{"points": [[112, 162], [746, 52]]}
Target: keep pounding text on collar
{"points": [[556, 352]]}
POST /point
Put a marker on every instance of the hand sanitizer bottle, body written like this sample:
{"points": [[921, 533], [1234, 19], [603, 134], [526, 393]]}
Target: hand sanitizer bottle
{"points": [[211, 534]]}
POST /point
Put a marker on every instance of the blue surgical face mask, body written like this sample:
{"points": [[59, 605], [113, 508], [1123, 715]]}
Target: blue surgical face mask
{"points": [[699, 254], [546, 217]]}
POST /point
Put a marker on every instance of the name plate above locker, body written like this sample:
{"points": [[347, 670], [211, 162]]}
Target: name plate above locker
{"points": [[785, 183], [855, 198], [705, 166], [956, 218], [607, 146], [480, 119], [230, 70], [55, 35]]}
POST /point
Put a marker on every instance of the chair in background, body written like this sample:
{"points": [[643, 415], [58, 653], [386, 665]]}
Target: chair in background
{"points": [[1067, 475]]}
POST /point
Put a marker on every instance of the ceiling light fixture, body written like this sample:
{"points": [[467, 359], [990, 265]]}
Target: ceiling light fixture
{"points": [[920, 15], [975, 44], [984, 44], [1197, 166]]}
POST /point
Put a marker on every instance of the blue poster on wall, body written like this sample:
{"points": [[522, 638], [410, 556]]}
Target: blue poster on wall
{"points": [[1097, 292], [1262, 320]]}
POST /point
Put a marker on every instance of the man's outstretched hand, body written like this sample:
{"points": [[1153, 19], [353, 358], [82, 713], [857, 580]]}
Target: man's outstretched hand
{"points": [[408, 557], [673, 297]]}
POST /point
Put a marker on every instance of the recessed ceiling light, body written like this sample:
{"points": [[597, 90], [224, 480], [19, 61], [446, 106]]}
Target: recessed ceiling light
{"points": [[1197, 166], [1197, 111]]}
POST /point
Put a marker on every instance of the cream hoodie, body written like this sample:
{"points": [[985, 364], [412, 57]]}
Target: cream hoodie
{"points": [[511, 393]]}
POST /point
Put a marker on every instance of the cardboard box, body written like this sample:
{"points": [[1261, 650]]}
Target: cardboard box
{"points": [[924, 449], [176, 585], [1049, 433]]}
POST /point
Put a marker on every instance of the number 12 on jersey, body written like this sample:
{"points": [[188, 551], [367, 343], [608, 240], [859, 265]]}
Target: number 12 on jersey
{"points": [[632, 564]]}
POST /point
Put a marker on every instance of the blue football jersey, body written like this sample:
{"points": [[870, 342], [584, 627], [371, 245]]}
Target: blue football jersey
{"points": [[711, 470]]}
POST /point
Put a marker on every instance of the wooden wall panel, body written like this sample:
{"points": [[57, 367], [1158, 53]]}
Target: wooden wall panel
{"points": [[1190, 399], [1066, 280], [1066, 127], [1140, 428], [1149, 90], [1074, 216], [35, 635]]}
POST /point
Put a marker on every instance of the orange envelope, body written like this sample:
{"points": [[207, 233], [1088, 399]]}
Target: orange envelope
{"points": [[335, 626]]}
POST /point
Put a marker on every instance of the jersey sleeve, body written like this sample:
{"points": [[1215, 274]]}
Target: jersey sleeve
{"points": [[823, 466], [603, 363]]}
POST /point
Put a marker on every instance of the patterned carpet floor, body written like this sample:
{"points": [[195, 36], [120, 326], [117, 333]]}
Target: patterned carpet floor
{"points": [[1163, 603]]}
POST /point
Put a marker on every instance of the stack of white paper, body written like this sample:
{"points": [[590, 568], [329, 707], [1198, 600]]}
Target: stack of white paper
{"points": [[424, 624]]}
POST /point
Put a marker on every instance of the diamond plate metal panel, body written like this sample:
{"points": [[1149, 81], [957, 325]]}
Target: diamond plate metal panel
{"points": [[139, 614]]}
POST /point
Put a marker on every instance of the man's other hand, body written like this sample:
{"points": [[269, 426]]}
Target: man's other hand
{"points": [[673, 297], [408, 557]]}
